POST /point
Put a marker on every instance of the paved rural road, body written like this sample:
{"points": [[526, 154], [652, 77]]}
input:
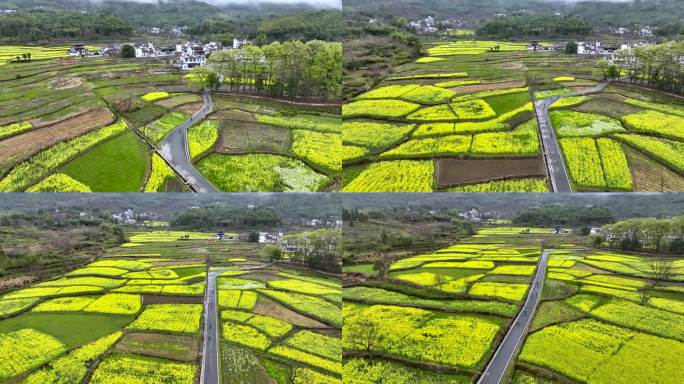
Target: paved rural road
{"points": [[558, 172], [175, 149], [211, 366], [210, 354], [503, 356]]}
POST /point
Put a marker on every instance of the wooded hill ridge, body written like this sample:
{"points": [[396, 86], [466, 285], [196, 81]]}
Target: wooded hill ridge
{"points": [[38, 20], [597, 13]]}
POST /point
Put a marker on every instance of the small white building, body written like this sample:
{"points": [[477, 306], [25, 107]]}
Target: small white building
{"points": [[237, 43], [270, 238]]}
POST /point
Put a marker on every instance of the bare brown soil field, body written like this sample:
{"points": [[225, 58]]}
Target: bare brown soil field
{"points": [[66, 83], [261, 276], [649, 175], [175, 347], [452, 172], [18, 148], [270, 308], [176, 101], [488, 87], [40, 122], [232, 114], [191, 108], [241, 137], [607, 104]]}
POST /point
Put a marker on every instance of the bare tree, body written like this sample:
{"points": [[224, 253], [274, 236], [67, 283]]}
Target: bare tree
{"points": [[661, 269], [381, 264]]}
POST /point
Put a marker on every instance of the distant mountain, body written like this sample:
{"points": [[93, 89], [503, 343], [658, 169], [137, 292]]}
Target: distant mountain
{"points": [[621, 205], [164, 13], [138, 14]]}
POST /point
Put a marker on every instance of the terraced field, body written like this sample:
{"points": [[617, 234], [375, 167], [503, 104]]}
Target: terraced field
{"points": [[448, 122], [136, 315], [438, 317], [455, 119], [622, 139], [131, 316], [89, 124], [261, 145], [604, 320], [281, 326]]}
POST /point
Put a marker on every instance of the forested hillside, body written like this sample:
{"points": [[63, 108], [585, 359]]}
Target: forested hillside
{"points": [[35, 25], [598, 13], [46, 20]]}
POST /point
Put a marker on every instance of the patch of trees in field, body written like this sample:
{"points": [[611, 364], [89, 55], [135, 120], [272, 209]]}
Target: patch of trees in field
{"points": [[573, 216], [659, 66], [535, 25], [291, 69], [314, 249], [210, 218], [41, 25], [644, 234]]}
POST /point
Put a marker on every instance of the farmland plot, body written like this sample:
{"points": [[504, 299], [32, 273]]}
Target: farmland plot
{"points": [[438, 311], [289, 336], [492, 98], [61, 113], [426, 113], [608, 327], [248, 145]]}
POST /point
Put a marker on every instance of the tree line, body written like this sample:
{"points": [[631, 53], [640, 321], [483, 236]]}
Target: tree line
{"points": [[225, 217], [314, 249], [659, 66], [40, 25], [535, 25], [644, 234], [292, 69], [263, 29], [572, 216]]}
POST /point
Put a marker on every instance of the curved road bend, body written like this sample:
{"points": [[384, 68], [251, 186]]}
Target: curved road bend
{"points": [[211, 365], [503, 357], [175, 149], [558, 172]]}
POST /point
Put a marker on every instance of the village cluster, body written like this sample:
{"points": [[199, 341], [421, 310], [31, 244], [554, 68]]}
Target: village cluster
{"points": [[183, 55]]}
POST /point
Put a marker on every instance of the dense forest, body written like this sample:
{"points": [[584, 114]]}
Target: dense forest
{"points": [[226, 217], [572, 216], [82, 19], [621, 205], [292, 69], [41, 25], [597, 13], [537, 25], [304, 25]]}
